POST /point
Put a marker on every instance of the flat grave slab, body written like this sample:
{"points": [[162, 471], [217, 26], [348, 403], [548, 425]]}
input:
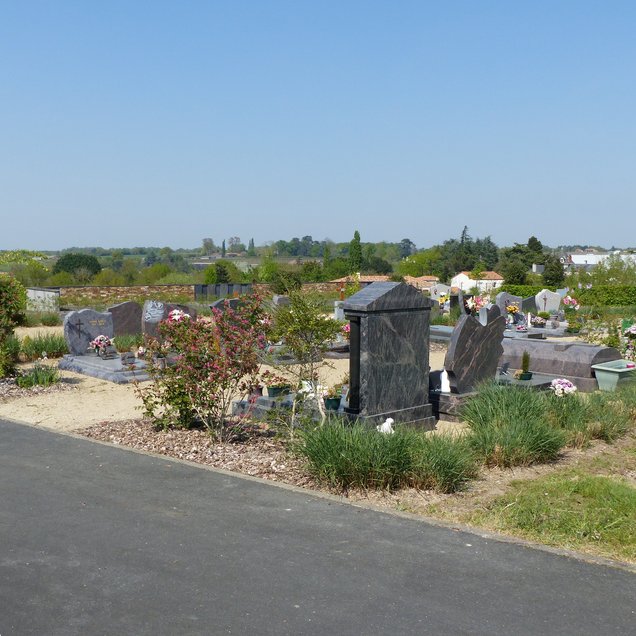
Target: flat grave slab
{"points": [[112, 370]]}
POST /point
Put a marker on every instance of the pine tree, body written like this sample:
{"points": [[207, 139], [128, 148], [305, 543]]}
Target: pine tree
{"points": [[355, 253]]}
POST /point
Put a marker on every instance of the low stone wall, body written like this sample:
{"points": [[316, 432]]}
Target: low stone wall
{"points": [[111, 294]]}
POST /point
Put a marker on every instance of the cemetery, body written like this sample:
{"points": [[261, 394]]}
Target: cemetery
{"points": [[377, 377]]}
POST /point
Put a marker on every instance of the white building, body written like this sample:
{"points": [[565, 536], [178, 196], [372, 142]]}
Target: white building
{"points": [[486, 282]]}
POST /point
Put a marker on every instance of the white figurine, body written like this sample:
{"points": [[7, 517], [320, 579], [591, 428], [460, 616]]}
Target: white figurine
{"points": [[387, 427]]}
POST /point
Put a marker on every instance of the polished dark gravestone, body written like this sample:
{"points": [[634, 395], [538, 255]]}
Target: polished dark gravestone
{"points": [[389, 363], [529, 305], [223, 303], [503, 299], [126, 318], [570, 360], [472, 357], [80, 327], [474, 351]]}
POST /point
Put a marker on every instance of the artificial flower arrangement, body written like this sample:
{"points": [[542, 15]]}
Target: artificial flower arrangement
{"points": [[538, 321], [177, 315], [512, 309], [562, 387], [630, 332], [100, 343], [571, 303], [475, 303], [346, 330]]}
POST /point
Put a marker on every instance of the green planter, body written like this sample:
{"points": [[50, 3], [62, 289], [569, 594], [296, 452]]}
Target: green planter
{"points": [[332, 403], [610, 374], [525, 376], [277, 391]]}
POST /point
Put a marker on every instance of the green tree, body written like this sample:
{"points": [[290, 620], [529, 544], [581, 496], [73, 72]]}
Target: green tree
{"points": [[251, 250], [71, 262], [207, 247], [553, 274], [514, 272], [355, 254], [223, 250]]}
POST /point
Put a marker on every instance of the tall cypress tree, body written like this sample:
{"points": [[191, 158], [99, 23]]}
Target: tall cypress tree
{"points": [[355, 253]]}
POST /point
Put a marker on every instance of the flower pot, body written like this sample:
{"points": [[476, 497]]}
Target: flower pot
{"points": [[527, 375], [610, 374], [332, 403], [277, 391]]}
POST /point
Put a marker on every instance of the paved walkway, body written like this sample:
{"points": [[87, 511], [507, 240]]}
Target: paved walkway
{"points": [[99, 540]]}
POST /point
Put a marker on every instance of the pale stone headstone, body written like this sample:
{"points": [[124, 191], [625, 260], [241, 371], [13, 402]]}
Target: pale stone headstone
{"points": [[80, 327], [154, 311], [547, 300]]}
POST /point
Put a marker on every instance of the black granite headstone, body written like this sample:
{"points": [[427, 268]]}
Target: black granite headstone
{"points": [[389, 363], [474, 351], [126, 318]]}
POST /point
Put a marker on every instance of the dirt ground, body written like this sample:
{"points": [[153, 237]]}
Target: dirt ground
{"points": [[85, 401]]}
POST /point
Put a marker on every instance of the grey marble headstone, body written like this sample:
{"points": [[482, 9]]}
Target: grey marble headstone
{"points": [[338, 311], [438, 290], [279, 300], [548, 301], [154, 311], [474, 351], [126, 318], [503, 299], [80, 327], [529, 305], [389, 364]]}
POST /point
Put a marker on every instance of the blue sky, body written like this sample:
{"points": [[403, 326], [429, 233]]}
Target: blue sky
{"points": [[161, 123]]}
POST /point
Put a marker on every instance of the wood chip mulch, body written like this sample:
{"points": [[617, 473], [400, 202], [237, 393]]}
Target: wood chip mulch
{"points": [[260, 455], [9, 390]]}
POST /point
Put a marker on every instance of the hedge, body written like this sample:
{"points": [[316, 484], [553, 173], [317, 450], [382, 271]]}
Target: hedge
{"points": [[599, 295]]}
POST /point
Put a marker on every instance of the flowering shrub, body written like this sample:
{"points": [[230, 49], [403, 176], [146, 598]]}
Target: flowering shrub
{"points": [[100, 343], [562, 387], [210, 363], [571, 303]]}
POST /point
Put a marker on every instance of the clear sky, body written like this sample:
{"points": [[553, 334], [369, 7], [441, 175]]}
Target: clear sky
{"points": [[129, 122]]}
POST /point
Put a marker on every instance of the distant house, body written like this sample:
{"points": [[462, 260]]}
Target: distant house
{"points": [[422, 282], [587, 260], [363, 279], [486, 282]]}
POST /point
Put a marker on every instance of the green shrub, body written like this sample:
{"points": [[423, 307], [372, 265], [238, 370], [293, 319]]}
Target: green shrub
{"points": [[35, 347], [51, 319], [355, 455], [9, 350], [39, 375], [47, 318]]}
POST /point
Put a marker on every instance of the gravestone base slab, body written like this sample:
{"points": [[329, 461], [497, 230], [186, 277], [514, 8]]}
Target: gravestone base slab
{"points": [[420, 417], [112, 369], [447, 406]]}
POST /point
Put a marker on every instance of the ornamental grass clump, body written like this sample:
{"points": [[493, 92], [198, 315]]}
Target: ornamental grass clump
{"points": [[210, 363], [39, 375], [345, 455], [508, 427], [43, 345]]}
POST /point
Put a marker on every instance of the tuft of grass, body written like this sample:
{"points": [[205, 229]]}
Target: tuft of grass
{"points": [[570, 413], [128, 342], [569, 509], [33, 348], [347, 455], [508, 427], [39, 375]]}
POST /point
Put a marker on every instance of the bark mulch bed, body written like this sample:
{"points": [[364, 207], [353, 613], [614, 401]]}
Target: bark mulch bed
{"points": [[259, 455]]}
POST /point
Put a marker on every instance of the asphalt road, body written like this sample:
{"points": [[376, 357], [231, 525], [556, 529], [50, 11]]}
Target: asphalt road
{"points": [[99, 540]]}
